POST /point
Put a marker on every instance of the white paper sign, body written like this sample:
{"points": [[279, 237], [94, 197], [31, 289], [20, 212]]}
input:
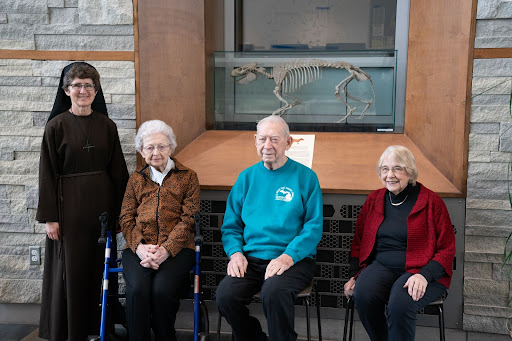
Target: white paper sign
{"points": [[302, 149]]}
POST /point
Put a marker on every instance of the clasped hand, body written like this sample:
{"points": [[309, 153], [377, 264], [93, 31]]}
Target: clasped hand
{"points": [[152, 255], [237, 266]]}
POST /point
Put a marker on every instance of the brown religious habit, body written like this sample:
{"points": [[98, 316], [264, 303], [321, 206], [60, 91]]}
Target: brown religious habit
{"points": [[82, 173]]}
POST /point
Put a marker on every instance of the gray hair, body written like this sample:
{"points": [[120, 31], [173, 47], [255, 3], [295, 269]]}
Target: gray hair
{"points": [[403, 157], [155, 127], [276, 120]]}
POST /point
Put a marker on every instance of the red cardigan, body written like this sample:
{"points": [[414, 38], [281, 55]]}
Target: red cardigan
{"points": [[430, 233]]}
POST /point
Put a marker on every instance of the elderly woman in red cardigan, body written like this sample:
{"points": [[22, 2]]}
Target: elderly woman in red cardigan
{"points": [[402, 251]]}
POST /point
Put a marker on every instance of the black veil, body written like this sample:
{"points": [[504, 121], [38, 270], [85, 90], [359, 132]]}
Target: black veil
{"points": [[63, 102]]}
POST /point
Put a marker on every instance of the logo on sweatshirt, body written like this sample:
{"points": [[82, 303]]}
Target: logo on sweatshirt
{"points": [[284, 194]]}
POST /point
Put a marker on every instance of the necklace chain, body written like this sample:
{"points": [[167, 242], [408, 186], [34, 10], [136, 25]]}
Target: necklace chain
{"points": [[87, 145], [399, 203]]}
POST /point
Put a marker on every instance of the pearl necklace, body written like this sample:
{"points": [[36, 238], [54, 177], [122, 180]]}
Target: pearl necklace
{"points": [[397, 204]]}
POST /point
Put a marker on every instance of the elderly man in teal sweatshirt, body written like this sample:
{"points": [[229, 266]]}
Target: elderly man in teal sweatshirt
{"points": [[272, 226]]}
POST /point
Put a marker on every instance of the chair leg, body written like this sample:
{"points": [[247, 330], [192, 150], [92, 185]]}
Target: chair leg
{"points": [[318, 319], [347, 312], [219, 322], [352, 309], [441, 323], [308, 317]]}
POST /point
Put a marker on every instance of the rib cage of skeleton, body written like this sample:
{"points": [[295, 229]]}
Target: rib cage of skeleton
{"points": [[290, 76]]}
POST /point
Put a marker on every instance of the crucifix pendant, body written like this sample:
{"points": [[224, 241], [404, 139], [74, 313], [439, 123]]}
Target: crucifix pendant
{"points": [[88, 147]]}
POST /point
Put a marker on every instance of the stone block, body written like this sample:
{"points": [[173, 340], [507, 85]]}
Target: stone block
{"points": [[121, 111], [490, 113], [118, 86], [497, 67], [55, 3], [20, 81], [98, 12], [123, 99], [83, 42], [478, 270], [49, 68], [81, 30], [21, 131], [486, 310], [495, 231], [15, 118], [19, 32], [52, 82], [490, 99], [505, 137], [16, 227], [19, 207], [3, 18], [19, 180], [484, 324], [493, 42], [32, 196], [125, 124], [26, 105], [31, 19], [493, 28], [16, 267], [23, 6], [19, 167], [479, 156], [71, 3], [488, 217], [3, 191], [488, 171], [17, 239], [5, 206], [17, 44], [6, 155], [23, 143], [126, 135], [501, 157], [113, 71], [27, 156], [40, 118], [484, 244], [20, 290], [486, 292], [491, 85], [501, 272], [128, 148], [63, 16], [15, 192], [29, 94], [484, 128], [494, 9], [488, 204], [484, 142]]}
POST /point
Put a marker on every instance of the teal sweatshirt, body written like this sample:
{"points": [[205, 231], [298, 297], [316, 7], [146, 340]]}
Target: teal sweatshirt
{"points": [[271, 212]]}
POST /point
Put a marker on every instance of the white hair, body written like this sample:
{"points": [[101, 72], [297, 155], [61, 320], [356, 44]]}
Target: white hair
{"points": [[402, 156], [155, 127], [276, 120]]}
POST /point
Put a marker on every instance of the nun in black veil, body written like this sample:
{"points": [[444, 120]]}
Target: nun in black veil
{"points": [[82, 173]]}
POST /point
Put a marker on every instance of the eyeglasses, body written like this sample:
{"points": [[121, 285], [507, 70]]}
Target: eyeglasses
{"points": [[395, 170], [79, 86], [160, 147], [260, 139]]}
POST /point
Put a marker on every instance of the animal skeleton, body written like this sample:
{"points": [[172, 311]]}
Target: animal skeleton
{"points": [[291, 76]]}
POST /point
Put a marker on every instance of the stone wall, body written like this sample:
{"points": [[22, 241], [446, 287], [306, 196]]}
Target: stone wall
{"points": [[27, 92], [487, 289]]}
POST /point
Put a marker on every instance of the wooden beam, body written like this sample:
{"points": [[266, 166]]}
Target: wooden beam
{"points": [[67, 55], [493, 53]]}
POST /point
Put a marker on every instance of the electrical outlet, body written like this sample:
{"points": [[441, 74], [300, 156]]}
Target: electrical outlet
{"points": [[35, 255]]}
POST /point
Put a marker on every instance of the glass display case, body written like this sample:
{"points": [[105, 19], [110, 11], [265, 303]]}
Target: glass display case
{"points": [[309, 82]]}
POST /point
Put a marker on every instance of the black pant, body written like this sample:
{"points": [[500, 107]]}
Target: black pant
{"points": [[152, 296], [277, 294], [377, 284]]}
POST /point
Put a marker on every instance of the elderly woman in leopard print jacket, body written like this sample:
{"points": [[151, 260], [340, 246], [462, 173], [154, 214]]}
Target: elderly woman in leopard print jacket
{"points": [[157, 221]]}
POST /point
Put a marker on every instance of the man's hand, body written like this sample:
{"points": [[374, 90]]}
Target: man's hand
{"points": [[237, 266], [349, 287], [278, 265], [417, 285]]}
